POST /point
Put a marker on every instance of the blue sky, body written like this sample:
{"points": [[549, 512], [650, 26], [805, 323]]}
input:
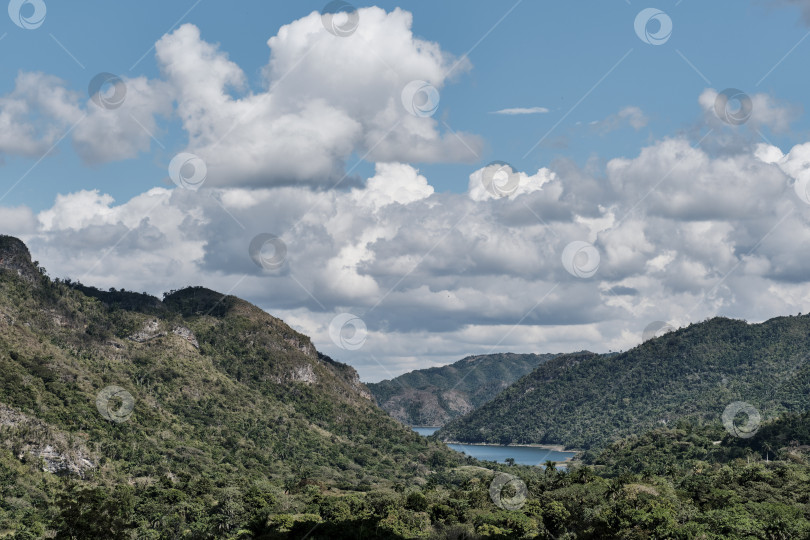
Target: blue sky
{"points": [[632, 198], [542, 54]]}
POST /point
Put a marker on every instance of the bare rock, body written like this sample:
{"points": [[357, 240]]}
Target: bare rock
{"points": [[304, 374], [150, 330], [15, 258], [186, 334]]}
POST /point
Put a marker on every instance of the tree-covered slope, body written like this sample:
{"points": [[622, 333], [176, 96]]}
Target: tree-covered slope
{"points": [[201, 398], [433, 396], [585, 400], [239, 429]]}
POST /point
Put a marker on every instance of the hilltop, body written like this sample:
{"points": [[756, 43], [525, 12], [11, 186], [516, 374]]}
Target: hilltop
{"points": [[587, 400], [434, 396]]}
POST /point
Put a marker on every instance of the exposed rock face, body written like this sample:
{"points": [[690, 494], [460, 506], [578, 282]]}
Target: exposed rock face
{"points": [[15, 257], [361, 388], [150, 330], [56, 462], [186, 334], [421, 407], [304, 374], [44, 442]]}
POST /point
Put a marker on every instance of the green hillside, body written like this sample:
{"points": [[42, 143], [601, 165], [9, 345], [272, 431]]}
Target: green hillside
{"points": [[236, 417], [200, 416], [586, 400], [434, 396]]}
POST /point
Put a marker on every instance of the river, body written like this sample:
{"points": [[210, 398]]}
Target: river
{"points": [[523, 455]]}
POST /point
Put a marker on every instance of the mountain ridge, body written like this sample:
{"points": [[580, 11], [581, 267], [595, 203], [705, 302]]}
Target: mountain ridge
{"points": [[585, 400], [433, 396]]}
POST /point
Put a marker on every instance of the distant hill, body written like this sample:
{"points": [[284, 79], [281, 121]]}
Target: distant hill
{"points": [[586, 400], [434, 396]]}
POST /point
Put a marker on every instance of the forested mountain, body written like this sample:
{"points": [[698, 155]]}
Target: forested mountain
{"points": [[433, 396], [586, 400], [200, 416], [210, 411]]}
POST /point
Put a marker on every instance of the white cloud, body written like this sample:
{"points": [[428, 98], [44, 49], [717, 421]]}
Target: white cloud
{"points": [[630, 115], [765, 111], [32, 115], [106, 135], [501, 185], [454, 272], [17, 221], [683, 233], [325, 99], [522, 110]]}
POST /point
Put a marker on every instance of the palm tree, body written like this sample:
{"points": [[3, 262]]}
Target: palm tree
{"points": [[768, 448]]}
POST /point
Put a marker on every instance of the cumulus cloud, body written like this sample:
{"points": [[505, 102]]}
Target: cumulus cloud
{"points": [[326, 98], [105, 135], [682, 235], [33, 114], [41, 110], [500, 180]]}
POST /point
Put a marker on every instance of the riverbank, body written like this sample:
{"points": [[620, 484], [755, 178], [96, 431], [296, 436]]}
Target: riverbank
{"points": [[552, 447]]}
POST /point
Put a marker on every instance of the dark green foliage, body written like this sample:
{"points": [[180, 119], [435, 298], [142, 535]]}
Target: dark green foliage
{"points": [[586, 400]]}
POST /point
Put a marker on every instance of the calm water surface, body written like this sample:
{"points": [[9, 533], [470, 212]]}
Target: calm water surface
{"points": [[523, 455]]}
